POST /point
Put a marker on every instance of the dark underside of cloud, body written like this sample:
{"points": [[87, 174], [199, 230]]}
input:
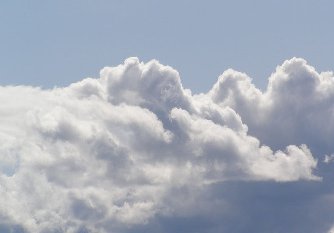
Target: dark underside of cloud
{"points": [[133, 151]]}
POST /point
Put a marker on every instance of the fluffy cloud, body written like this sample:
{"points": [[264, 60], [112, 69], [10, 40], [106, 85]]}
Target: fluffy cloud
{"points": [[297, 107], [133, 149]]}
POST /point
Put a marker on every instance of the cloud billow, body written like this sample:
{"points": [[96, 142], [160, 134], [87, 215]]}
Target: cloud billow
{"points": [[133, 149]]}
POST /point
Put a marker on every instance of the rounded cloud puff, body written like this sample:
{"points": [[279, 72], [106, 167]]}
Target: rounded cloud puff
{"points": [[107, 154]]}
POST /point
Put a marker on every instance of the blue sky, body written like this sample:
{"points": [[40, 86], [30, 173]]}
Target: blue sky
{"points": [[131, 150], [53, 43]]}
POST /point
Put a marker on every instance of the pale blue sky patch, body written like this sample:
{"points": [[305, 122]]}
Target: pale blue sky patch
{"points": [[54, 43]]}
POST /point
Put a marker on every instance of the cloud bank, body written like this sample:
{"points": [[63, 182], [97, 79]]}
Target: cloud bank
{"points": [[134, 151]]}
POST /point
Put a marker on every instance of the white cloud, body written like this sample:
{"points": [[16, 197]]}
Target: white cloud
{"points": [[328, 158], [331, 230], [106, 154], [296, 108]]}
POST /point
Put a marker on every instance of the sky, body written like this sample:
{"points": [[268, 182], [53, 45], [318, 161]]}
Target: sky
{"points": [[166, 117], [54, 43]]}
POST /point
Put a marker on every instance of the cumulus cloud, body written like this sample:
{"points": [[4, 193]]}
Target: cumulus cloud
{"points": [[134, 149], [296, 107]]}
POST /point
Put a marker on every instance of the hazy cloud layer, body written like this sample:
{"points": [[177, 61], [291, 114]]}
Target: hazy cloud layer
{"points": [[133, 151]]}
